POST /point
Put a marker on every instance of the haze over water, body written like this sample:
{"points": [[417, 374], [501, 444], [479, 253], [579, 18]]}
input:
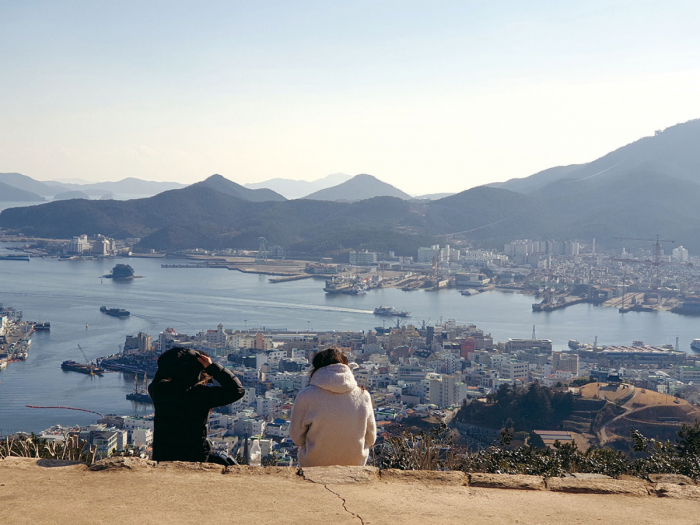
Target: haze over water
{"points": [[70, 293]]}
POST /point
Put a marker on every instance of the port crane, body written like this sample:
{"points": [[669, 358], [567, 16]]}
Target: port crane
{"points": [[656, 262], [657, 246], [87, 361]]}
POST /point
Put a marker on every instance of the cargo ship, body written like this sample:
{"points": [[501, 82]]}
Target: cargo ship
{"points": [[390, 311], [115, 312], [72, 366], [338, 285]]}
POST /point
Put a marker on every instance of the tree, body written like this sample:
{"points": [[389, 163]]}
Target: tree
{"points": [[688, 442], [122, 271]]}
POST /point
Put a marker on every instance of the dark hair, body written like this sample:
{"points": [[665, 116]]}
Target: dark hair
{"points": [[181, 365], [329, 356]]}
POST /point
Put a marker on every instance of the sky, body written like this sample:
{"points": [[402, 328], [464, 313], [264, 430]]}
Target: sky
{"points": [[431, 97]]}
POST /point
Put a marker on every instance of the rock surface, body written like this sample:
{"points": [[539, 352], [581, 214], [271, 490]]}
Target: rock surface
{"points": [[506, 481], [598, 486], [43, 491]]}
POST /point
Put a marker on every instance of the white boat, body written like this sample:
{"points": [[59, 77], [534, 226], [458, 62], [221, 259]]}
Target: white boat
{"points": [[3, 365], [695, 345]]}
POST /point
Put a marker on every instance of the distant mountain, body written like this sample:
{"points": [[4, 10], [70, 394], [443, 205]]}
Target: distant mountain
{"points": [[127, 186], [650, 188], [22, 182], [360, 187], [633, 204], [433, 196], [296, 189], [67, 195], [223, 185], [11, 194]]}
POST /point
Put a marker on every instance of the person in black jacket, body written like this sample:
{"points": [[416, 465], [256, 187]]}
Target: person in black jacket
{"points": [[182, 400]]}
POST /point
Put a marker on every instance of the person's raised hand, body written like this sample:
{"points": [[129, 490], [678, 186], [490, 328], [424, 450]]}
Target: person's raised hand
{"points": [[204, 360]]}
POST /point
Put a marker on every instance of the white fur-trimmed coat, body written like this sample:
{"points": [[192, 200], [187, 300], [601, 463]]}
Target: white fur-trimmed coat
{"points": [[332, 420]]}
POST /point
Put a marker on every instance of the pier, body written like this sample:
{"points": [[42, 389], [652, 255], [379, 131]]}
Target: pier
{"points": [[289, 278], [205, 265]]}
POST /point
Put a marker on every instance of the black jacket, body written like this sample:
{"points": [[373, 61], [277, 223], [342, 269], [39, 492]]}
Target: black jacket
{"points": [[182, 414]]}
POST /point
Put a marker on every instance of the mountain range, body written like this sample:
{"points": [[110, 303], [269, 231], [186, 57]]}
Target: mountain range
{"points": [[296, 189], [649, 187]]}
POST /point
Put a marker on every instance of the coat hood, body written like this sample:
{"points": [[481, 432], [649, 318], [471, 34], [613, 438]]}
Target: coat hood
{"points": [[335, 378]]}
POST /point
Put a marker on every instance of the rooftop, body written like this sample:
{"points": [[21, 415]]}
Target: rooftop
{"points": [[119, 490]]}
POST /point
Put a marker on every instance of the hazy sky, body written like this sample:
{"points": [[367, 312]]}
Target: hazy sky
{"points": [[429, 96]]}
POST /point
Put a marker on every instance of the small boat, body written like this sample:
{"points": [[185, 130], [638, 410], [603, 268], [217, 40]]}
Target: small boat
{"points": [[390, 311], [115, 312]]}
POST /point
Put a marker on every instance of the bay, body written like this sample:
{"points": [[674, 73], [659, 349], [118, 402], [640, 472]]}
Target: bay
{"points": [[70, 293]]}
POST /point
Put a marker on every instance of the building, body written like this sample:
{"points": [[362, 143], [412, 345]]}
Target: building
{"points": [[106, 441], [514, 369], [141, 437], [680, 254], [79, 245], [690, 373], [426, 255], [363, 258], [471, 279], [565, 361], [527, 345], [446, 390], [216, 337], [137, 344]]}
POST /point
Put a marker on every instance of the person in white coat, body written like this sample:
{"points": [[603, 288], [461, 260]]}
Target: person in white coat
{"points": [[332, 420]]}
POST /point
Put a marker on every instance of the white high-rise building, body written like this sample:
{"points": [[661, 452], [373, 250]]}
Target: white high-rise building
{"points": [[680, 254]]}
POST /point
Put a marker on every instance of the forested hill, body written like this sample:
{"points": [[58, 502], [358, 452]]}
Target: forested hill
{"points": [[640, 202]]}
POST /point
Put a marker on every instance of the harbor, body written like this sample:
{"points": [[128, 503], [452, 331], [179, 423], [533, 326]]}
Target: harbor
{"points": [[70, 294]]}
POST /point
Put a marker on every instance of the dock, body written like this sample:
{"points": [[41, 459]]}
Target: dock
{"points": [[540, 307], [290, 278]]}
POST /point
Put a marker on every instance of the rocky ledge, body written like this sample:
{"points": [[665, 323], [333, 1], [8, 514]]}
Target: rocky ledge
{"points": [[124, 489]]}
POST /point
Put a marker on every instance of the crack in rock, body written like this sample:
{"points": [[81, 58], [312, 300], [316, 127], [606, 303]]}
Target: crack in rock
{"points": [[344, 507]]}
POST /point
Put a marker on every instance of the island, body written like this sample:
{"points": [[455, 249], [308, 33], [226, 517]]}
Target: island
{"points": [[122, 272]]}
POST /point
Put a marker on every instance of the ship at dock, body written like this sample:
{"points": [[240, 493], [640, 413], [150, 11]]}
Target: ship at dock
{"points": [[115, 312], [390, 311], [140, 394], [83, 368], [338, 285], [695, 345]]}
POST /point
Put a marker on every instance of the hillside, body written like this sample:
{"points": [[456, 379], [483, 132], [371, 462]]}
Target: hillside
{"points": [[11, 194], [223, 185], [360, 187], [536, 181], [22, 182], [672, 152]]}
